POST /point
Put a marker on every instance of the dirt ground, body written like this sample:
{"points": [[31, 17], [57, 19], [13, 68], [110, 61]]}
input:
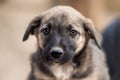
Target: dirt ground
{"points": [[14, 54]]}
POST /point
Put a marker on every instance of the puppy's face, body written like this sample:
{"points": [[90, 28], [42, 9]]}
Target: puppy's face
{"points": [[61, 34], [60, 38]]}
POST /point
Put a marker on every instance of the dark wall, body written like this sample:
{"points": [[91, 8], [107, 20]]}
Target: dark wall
{"points": [[111, 45]]}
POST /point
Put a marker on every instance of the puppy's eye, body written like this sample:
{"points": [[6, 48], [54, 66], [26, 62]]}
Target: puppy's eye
{"points": [[47, 28], [46, 31], [73, 33]]}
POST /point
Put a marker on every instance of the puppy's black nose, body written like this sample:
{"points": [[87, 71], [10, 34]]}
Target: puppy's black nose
{"points": [[56, 52]]}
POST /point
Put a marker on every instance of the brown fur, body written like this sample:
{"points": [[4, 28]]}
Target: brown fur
{"points": [[81, 60]]}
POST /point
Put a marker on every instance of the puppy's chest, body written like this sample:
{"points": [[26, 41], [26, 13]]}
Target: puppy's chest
{"points": [[62, 72]]}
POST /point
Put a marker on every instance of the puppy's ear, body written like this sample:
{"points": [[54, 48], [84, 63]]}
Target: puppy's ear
{"points": [[93, 33], [32, 25]]}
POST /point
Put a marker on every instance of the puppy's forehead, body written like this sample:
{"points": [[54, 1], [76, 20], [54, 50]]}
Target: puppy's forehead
{"points": [[62, 14]]}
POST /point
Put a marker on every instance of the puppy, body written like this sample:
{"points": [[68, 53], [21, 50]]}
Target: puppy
{"points": [[65, 47]]}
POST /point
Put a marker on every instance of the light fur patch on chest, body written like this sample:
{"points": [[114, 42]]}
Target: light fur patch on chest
{"points": [[62, 72]]}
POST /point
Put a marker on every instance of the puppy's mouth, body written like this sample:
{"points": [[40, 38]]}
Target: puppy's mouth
{"points": [[61, 60], [57, 61], [64, 58]]}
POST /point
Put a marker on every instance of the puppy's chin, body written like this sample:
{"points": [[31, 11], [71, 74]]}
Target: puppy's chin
{"points": [[57, 61]]}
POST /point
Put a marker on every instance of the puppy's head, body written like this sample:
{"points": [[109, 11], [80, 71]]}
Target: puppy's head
{"points": [[61, 32]]}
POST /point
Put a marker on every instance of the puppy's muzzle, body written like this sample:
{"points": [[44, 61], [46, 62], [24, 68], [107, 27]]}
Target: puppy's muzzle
{"points": [[56, 52]]}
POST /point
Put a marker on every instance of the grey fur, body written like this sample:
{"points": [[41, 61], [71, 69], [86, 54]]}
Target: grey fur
{"points": [[66, 28]]}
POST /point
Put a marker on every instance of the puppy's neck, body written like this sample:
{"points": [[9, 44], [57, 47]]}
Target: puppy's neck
{"points": [[62, 72]]}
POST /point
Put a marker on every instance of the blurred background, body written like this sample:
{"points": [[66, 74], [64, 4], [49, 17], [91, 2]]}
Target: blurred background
{"points": [[15, 15]]}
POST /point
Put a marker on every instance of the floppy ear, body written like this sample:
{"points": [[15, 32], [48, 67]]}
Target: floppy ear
{"points": [[30, 29], [94, 34]]}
